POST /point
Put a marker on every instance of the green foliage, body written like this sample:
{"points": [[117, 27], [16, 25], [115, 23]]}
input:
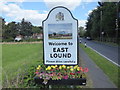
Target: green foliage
{"points": [[103, 19], [13, 29], [81, 31], [28, 78], [10, 30], [36, 29], [110, 69], [10, 39], [32, 40], [109, 18], [25, 28], [93, 24]]}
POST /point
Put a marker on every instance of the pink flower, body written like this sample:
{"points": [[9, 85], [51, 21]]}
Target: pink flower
{"points": [[73, 77], [59, 77], [46, 74], [47, 78], [53, 73], [78, 72], [50, 74], [85, 70], [59, 73], [65, 77]]}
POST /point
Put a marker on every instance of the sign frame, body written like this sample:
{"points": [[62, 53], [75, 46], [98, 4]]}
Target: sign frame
{"points": [[77, 50]]}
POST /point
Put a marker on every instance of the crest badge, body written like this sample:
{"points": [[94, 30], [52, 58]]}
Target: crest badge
{"points": [[60, 16]]}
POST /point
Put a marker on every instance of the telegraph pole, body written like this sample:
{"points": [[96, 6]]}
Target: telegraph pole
{"points": [[117, 18], [101, 12]]}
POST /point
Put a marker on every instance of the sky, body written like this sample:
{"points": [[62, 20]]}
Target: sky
{"points": [[36, 11], [60, 27]]}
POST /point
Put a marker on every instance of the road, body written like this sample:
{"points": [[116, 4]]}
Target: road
{"points": [[109, 51]]}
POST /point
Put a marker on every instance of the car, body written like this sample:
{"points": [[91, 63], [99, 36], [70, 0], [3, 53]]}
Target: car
{"points": [[88, 38]]}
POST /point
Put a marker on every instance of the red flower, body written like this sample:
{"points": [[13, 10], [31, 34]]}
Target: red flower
{"points": [[81, 69], [53, 73], [57, 68], [52, 70], [72, 73], [65, 69], [36, 72]]}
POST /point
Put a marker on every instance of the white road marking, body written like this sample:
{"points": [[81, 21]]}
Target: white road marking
{"points": [[104, 56]]}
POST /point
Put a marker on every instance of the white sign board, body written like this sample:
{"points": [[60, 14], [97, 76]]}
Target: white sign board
{"points": [[60, 37]]}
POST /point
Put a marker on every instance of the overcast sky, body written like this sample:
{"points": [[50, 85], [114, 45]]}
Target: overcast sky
{"points": [[36, 11]]}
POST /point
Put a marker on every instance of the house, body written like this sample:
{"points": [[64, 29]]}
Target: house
{"points": [[38, 35]]}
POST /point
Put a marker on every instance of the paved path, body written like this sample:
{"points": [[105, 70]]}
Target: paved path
{"points": [[99, 79], [109, 51]]}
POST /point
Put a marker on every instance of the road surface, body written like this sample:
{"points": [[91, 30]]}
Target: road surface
{"points": [[109, 51]]}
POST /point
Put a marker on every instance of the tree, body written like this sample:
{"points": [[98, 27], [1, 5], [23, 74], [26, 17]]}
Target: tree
{"points": [[25, 28], [102, 19], [109, 18], [2, 26], [88, 26], [95, 28], [36, 29], [10, 31], [81, 31]]}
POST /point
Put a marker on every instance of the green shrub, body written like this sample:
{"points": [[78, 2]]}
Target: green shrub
{"points": [[8, 40], [32, 39]]}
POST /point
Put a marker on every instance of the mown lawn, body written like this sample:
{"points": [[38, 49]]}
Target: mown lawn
{"points": [[0, 65], [17, 58], [110, 69]]}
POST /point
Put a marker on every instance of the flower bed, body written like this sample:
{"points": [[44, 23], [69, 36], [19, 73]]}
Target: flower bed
{"points": [[60, 74]]}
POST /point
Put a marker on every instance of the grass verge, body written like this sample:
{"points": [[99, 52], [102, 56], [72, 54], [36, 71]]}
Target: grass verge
{"points": [[0, 66], [17, 59], [110, 69], [108, 43]]}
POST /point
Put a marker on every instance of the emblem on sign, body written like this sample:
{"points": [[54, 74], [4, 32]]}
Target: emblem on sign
{"points": [[60, 16]]}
